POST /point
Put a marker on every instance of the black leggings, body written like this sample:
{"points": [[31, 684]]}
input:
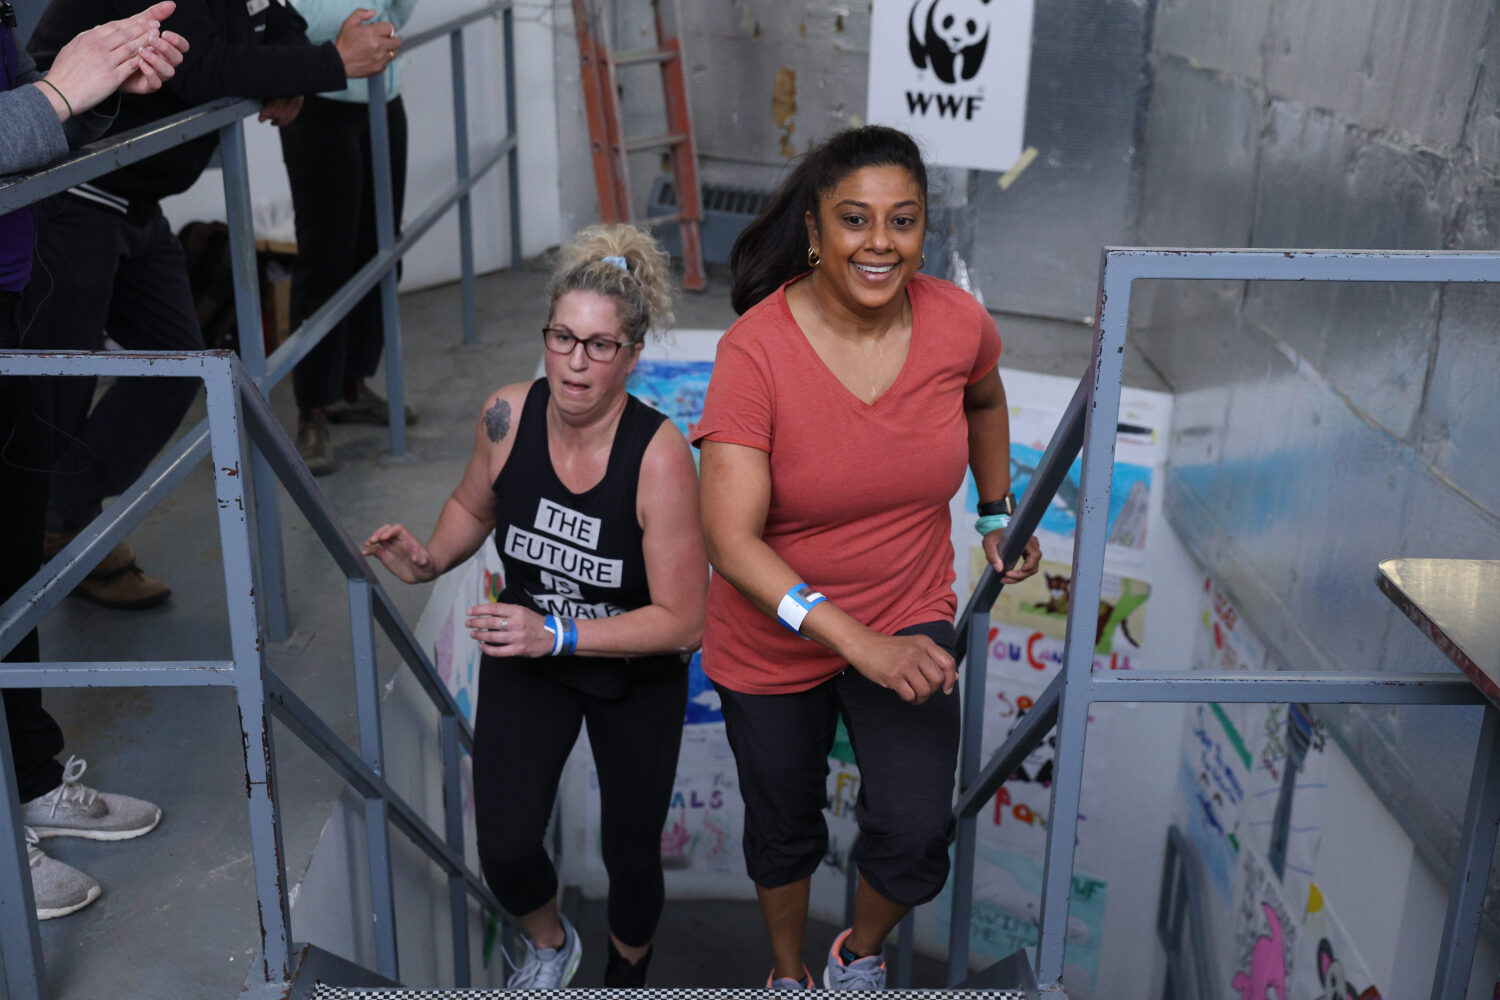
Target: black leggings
{"points": [[524, 728]]}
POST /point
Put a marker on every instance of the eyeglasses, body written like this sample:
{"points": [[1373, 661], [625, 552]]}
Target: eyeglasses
{"points": [[560, 341]]}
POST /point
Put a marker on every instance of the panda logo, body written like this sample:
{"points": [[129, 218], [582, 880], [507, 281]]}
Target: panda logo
{"points": [[949, 34]]}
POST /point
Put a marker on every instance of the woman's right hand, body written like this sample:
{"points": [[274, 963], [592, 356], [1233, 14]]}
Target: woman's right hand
{"points": [[913, 666], [401, 553]]}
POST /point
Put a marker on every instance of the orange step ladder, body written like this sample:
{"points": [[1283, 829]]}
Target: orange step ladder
{"points": [[607, 137]]}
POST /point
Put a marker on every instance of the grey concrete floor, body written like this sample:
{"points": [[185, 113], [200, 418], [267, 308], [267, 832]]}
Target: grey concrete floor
{"points": [[177, 918]]}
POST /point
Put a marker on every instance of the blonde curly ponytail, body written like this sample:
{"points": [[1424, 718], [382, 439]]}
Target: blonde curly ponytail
{"points": [[642, 290]]}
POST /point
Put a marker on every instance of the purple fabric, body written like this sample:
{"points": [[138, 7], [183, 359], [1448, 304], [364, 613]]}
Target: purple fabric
{"points": [[17, 237]]}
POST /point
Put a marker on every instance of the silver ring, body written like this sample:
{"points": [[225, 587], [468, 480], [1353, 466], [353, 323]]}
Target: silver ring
{"points": [[504, 625]]}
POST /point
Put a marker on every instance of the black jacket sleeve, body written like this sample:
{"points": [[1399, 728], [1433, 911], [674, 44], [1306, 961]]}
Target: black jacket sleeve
{"points": [[219, 66]]}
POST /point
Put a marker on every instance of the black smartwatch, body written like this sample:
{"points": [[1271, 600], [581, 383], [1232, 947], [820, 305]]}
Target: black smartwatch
{"points": [[1005, 505]]}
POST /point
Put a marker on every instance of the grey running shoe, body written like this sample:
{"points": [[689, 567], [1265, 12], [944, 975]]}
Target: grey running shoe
{"points": [[548, 968], [805, 983], [59, 889], [76, 810], [867, 973]]}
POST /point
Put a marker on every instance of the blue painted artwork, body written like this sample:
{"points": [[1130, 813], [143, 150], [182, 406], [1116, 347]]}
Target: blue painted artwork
{"points": [[1062, 515], [703, 700], [676, 388]]}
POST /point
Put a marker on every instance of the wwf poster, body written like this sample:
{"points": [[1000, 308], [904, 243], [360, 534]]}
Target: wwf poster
{"points": [[953, 74]]}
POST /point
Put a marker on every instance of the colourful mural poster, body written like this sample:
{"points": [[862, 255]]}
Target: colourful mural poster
{"points": [[1042, 603], [675, 387], [1265, 933], [1214, 775], [1007, 914], [1327, 966]]}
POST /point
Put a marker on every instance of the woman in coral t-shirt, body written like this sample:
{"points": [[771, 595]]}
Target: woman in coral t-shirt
{"points": [[843, 409]]}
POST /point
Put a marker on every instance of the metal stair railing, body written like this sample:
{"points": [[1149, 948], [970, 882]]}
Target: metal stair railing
{"points": [[239, 416], [1189, 976], [1089, 425], [226, 117]]}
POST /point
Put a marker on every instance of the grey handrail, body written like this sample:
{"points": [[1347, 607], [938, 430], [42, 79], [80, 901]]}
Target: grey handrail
{"points": [[1181, 902]]}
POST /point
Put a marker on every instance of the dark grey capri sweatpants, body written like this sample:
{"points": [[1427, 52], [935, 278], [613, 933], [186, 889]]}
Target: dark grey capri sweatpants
{"points": [[906, 755]]}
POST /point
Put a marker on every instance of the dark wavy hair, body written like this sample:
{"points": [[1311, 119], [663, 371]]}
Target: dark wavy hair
{"points": [[773, 249]]}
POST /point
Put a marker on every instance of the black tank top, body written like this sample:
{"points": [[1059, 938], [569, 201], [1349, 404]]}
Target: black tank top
{"points": [[577, 555]]}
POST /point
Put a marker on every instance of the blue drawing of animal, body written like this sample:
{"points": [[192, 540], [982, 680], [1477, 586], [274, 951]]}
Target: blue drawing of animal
{"points": [[950, 35]]}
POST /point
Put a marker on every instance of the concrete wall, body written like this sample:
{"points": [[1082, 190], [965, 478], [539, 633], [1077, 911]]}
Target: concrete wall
{"points": [[1321, 428]]}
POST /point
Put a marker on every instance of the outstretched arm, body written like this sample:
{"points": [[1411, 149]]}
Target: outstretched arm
{"points": [[989, 458], [468, 515]]}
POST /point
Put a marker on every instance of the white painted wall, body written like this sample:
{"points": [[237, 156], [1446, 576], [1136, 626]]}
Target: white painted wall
{"points": [[427, 92]]}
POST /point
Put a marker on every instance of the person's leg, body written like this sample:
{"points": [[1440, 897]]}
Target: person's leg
{"points": [[366, 339], [321, 149], [635, 740], [525, 725], [906, 755], [25, 459], [781, 745]]}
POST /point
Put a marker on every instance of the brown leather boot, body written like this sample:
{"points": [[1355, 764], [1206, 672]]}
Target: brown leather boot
{"points": [[314, 443], [119, 559], [117, 582]]}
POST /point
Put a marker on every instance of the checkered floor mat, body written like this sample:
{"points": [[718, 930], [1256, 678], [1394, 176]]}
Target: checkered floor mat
{"points": [[342, 993]]}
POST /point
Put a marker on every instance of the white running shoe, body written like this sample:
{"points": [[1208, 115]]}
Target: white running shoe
{"points": [[866, 973], [73, 809], [59, 889], [548, 968]]}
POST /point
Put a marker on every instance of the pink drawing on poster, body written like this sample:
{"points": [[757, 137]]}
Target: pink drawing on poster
{"points": [[1267, 965]]}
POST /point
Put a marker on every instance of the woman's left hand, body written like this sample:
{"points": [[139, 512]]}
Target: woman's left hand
{"points": [[1031, 557], [508, 630]]}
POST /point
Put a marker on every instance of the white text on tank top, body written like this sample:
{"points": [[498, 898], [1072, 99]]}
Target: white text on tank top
{"points": [[564, 565]]}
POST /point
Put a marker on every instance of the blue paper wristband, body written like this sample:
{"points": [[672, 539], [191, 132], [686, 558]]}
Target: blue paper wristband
{"points": [[796, 604]]}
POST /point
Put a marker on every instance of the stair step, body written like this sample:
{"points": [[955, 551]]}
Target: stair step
{"points": [[326, 992]]}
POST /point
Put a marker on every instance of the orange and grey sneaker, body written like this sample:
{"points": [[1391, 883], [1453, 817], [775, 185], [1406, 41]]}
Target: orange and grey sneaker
{"points": [[805, 983], [847, 972]]}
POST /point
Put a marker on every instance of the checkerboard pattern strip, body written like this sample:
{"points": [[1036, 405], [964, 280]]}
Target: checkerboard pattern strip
{"points": [[325, 992]]}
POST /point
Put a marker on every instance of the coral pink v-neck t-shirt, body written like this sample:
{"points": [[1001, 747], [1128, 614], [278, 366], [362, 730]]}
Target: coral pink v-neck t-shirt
{"points": [[859, 491]]}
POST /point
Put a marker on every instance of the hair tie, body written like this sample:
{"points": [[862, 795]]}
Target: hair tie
{"points": [[619, 262]]}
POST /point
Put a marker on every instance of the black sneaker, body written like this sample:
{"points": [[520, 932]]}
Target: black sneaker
{"points": [[620, 974]]}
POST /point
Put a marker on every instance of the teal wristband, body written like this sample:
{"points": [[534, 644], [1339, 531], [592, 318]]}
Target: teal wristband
{"points": [[992, 522]]}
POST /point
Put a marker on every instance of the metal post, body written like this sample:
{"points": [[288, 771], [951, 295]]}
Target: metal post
{"points": [[385, 238], [271, 563], [512, 158], [976, 664], [230, 455], [1471, 867], [377, 827], [1103, 414], [461, 162], [453, 814], [903, 951], [25, 974]]}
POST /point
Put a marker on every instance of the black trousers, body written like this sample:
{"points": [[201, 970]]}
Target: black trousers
{"points": [[35, 738], [906, 756], [100, 270], [524, 727], [327, 154]]}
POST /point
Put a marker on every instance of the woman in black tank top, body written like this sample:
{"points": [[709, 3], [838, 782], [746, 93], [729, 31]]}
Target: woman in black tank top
{"points": [[592, 499]]}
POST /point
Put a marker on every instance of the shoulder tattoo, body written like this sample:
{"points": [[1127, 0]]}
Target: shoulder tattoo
{"points": [[497, 420]]}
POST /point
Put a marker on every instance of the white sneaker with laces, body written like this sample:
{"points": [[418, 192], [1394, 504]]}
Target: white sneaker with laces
{"points": [[59, 889], [76, 810], [548, 968], [866, 973]]}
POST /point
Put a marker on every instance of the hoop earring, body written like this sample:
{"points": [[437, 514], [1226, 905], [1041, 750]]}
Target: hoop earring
{"points": [[922, 263], [813, 260]]}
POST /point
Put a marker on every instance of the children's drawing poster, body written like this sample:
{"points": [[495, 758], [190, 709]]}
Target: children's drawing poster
{"points": [[1283, 808], [675, 387], [1265, 933], [1007, 915], [1327, 966], [1042, 603], [1214, 776]]}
